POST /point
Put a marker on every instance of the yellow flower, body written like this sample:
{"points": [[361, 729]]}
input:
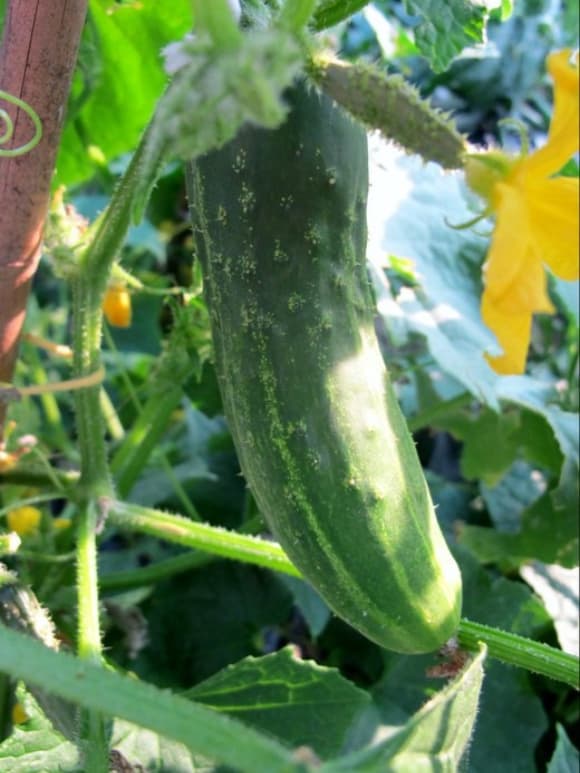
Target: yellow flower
{"points": [[117, 306], [536, 222], [24, 520]]}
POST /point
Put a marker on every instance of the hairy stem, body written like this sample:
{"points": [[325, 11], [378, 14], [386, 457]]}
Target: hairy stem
{"points": [[213, 539], [519, 651], [217, 19], [507, 647], [202, 730], [295, 14]]}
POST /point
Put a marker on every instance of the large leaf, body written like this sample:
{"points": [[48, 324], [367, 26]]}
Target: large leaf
{"points": [[118, 82], [297, 701], [435, 738], [558, 589], [510, 719], [532, 522], [566, 758], [35, 746], [446, 28], [546, 533], [202, 621], [408, 205], [154, 753]]}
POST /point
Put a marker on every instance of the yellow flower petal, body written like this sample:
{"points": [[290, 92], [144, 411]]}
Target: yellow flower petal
{"points": [[507, 255], [528, 293], [553, 207], [513, 333], [24, 520], [563, 139]]}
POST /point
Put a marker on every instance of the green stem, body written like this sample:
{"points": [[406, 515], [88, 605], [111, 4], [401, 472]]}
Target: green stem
{"points": [[33, 477], [94, 483], [202, 730], [52, 414], [161, 570], [135, 449], [88, 289], [429, 417], [93, 737], [111, 229], [519, 651], [334, 11], [111, 417], [212, 539], [46, 558], [150, 575], [89, 636], [87, 321], [295, 14], [507, 647], [95, 755], [216, 18], [152, 420], [36, 500]]}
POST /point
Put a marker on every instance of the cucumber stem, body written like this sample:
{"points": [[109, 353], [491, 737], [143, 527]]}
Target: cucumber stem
{"points": [[522, 652], [295, 14], [217, 19]]}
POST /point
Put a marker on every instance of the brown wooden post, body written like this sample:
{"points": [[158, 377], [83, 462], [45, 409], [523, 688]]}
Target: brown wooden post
{"points": [[37, 60]]}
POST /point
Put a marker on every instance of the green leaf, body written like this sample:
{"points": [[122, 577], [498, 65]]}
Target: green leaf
{"points": [[435, 738], [104, 691], [538, 442], [517, 490], [408, 204], [331, 12], [299, 702], [558, 589], [201, 621], [154, 753], [569, 295], [536, 525], [315, 611], [35, 746], [510, 718], [490, 446], [446, 28], [452, 501], [546, 534], [566, 758], [118, 82]]}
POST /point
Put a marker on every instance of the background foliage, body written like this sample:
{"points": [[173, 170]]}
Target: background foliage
{"points": [[500, 453]]}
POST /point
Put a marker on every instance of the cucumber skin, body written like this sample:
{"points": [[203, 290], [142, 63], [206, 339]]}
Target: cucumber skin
{"points": [[279, 220]]}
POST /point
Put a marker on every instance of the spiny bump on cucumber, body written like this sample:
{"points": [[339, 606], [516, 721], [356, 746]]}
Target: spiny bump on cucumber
{"points": [[391, 105]]}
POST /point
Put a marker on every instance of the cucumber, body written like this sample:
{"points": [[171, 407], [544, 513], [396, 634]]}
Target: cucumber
{"points": [[279, 221]]}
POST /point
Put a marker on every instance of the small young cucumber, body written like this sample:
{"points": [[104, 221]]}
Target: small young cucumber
{"points": [[279, 219]]}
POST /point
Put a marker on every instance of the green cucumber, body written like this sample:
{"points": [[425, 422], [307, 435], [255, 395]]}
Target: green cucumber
{"points": [[279, 220]]}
